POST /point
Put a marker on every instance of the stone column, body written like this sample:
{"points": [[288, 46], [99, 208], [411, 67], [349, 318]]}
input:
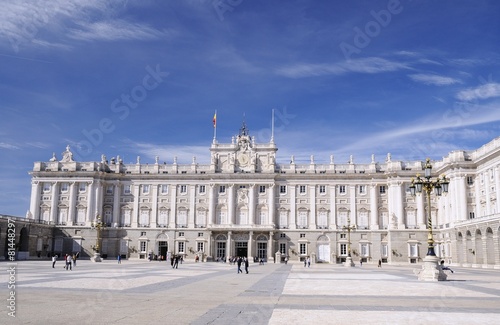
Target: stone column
{"points": [[228, 244], [99, 198], [496, 252], [211, 205], [462, 200], [90, 204], [292, 224], [135, 212], [270, 249], [54, 203], [35, 200], [72, 204], [421, 218], [271, 205], [173, 206], [250, 245], [251, 205], [116, 204], [487, 192], [230, 204], [154, 206], [497, 188], [399, 206], [312, 205], [333, 207], [192, 206], [352, 204], [478, 212], [373, 207]]}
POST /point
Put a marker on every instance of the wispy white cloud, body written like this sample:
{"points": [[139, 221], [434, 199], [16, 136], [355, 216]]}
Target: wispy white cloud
{"points": [[485, 91], [117, 30], [9, 146], [432, 79], [166, 153], [370, 65]]}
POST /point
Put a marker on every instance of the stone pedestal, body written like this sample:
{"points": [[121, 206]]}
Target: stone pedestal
{"points": [[348, 262], [96, 257], [431, 271]]}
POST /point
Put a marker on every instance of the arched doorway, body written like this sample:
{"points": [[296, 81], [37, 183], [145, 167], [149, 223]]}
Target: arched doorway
{"points": [[162, 246], [323, 243]]}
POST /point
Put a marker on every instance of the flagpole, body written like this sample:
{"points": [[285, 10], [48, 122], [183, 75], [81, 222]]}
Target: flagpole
{"points": [[272, 127], [215, 126]]}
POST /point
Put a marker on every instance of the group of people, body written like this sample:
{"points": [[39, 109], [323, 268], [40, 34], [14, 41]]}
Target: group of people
{"points": [[242, 260], [69, 260]]}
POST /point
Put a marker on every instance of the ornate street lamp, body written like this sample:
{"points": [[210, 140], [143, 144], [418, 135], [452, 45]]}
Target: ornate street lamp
{"points": [[97, 225], [349, 228], [431, 270]]}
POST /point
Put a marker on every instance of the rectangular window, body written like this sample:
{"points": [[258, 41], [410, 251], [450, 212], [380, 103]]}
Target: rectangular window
{"points": [[282, 189], [183, 189], [470, 180], [342, 189], [82, 187], [126, 189], [222, 189], [384, 250], [283, 248], [143, 233], [362, 189], [343, 249], [181, 247], [164, 189], [262, 189], [342, 236], [243, 186], [413, 250], [471, 215], [283, 235], [200, 247], [200, 234], [382, 189], [364, 250], [143, 246], [302, 189], [181, 233], [303, 249], [64, 187], [302, 235], [46, 187], [202, 189], [145, 189], [322, 189]]}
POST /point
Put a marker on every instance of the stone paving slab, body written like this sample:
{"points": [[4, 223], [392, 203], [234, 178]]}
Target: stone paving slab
{"points": [[142, 292]]}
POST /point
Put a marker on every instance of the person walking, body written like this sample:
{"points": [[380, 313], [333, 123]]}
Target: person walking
{"points": [[69, 260], [119, 258], [379, 263], [308, 261], [246, 265], [176, 262], [54, 260], [286, 260], [238, 262]]}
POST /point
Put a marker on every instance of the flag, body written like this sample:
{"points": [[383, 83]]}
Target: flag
{"points": [[215, 119]]}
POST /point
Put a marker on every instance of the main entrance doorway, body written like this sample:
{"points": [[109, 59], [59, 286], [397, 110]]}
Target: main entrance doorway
{"points": [[241, 248], [162, 249]]}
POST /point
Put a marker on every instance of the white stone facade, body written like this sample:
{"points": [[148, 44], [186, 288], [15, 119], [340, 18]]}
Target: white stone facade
{"points": [[244, 203]]}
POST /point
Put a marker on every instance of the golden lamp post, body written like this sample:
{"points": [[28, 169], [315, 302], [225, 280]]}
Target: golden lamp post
{"points": [[431, 271], [349, 228], [98, 225]]}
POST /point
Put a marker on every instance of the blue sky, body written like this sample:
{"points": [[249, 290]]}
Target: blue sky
{"points": [[143, 78]]}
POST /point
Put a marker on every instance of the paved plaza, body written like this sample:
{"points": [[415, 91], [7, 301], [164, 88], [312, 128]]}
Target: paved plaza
{"points": [[142, 292]]}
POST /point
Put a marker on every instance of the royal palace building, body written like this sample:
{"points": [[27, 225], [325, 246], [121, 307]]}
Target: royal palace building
{"points": [[244, 203]]}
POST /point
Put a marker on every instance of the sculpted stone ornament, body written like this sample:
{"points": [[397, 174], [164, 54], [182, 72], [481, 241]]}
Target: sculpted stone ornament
{"points": [[67, 156]]}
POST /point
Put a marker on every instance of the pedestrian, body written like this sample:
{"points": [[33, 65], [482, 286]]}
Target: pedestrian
{"points": [[172, 258], [286, 259], [119, 258], [445, 268], [74, 259], [246, 265], [305, 262], [238, 261], [308, 261], [360, 263], [379, 263], [54, 259], [176, 262], [69, 260]]}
